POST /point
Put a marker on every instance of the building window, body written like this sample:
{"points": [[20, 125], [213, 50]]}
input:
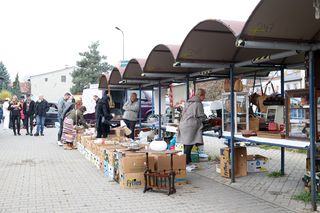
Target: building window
{"points": [[288, 86], [63, 78], [45, 79]]}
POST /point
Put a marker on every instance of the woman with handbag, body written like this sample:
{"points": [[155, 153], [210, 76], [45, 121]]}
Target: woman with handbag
{"points": [[15, 108], [103, 117], [73, 119]]}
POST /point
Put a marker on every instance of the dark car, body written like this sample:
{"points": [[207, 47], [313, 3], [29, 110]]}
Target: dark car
{"points": [[52, 115]]}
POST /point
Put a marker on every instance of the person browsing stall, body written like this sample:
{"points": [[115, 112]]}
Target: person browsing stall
{"points": [[190, 127], [28, 111], [130, 115]]}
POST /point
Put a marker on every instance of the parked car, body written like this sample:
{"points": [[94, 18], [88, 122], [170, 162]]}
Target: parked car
{"points": [[52, 115]]}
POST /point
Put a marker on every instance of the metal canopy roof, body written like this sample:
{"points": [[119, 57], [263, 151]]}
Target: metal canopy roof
{"points": [[134, 69], [213, 42], [285, 20], [113, 77], [161, 60]]}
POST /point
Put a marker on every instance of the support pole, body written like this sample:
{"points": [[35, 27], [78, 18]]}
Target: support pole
{"points": [[159, 111], [232, 123], [282, 148], [194, 86], [152, 101], [140, 125], [188, 87], [312, 131]]}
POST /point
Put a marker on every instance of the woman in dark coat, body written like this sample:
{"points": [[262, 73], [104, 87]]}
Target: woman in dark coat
{"points": [[103, 117], [15, 108]]}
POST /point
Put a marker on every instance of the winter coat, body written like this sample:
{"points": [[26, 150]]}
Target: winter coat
{"points": [[15, 111], [77, 117], [102, 110], [31, 108], [61, 106], [131, 110], [41, 108], [190, 127], [67, 109]]}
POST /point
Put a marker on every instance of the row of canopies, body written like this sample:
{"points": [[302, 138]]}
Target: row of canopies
{"points": [[276, 35], [279, 34]]}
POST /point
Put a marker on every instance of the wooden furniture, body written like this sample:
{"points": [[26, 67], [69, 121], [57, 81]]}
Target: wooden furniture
{"points": [[298, 114], [241, 105], [163, 181]]}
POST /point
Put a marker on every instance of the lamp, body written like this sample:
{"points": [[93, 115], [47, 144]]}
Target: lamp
{"points": [[117, 28]]}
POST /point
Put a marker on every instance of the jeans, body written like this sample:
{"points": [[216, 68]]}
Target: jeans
{"points": [[187, 150], [28, 120], [40, 123], [16, 123], [60, 129], [131, 125]]}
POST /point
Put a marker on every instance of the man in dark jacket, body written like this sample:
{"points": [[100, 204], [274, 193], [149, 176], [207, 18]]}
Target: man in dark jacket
{"points": [[41, 109], [103, 117], [28, 111]]}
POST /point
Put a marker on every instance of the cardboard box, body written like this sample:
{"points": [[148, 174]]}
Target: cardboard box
{"points": [[163, 162], [240, 162], [257, 163], [136, 163], [131, 180]]}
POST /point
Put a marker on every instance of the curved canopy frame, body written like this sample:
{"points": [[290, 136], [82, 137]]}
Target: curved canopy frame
{"points": [[134, 69], [161, 60], [291, 21], [212, 42]]}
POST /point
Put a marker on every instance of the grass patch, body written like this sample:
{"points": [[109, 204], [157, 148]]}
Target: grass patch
{"points": [[215, 158], [275, 174], [304, 197], [267, 147]]}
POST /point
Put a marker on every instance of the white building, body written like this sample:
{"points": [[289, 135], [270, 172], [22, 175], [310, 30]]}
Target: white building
{"points": [[52, 85]]}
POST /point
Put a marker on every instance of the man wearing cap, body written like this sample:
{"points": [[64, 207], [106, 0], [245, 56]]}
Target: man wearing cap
{"points": [[28, 110], [62, 103]]}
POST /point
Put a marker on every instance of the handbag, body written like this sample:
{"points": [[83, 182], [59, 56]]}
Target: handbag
{"points": [[272, 126], [238, 86], [254, 123], [274, 99], [261, 107]]}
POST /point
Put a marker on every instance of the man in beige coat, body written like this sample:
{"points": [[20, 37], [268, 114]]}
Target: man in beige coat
{"points": [[190, 128]]}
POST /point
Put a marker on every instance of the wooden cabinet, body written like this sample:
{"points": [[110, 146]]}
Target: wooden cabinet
{"points": [[241, 104], [298, 114]]}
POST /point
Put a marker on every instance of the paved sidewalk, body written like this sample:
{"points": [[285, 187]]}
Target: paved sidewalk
{"points": [[276, 190], [38, 176]]}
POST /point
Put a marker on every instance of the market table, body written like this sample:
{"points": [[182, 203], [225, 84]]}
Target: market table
{"points": [[283, 143]]}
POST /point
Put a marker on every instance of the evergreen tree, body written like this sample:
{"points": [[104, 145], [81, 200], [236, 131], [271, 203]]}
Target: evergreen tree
{"points": [[4, 77], [89, 68], [16, 86]]}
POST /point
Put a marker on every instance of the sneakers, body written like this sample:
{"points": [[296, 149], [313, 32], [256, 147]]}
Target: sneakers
{"points": [[42, 134], [37, 134], [31, 134], [191, 167], [27, 133], [59, 143]]}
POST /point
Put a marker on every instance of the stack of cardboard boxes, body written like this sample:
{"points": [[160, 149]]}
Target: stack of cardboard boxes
{"points": [[127, 167], [240, 162]]}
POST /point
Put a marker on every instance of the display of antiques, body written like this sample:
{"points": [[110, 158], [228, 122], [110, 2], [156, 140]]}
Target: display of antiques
{"points": [[298, 114]]}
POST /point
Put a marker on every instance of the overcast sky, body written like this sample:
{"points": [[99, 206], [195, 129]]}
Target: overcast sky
{"points": [[39, 36]]}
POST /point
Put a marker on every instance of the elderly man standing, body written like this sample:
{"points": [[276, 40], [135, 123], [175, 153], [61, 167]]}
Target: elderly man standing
{"points": [[41, 109], [130, 115], [62, 103], [190, 128], [28, 110]]}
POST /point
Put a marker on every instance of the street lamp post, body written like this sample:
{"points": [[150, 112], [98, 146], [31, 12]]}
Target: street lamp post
{"points": [[117, 28]]}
